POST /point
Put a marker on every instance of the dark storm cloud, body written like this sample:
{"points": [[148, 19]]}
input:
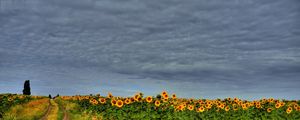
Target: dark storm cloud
{"points": [[235, 46]]}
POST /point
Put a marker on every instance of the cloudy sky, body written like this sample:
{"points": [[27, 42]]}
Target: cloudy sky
{"points": [[195, 48]]}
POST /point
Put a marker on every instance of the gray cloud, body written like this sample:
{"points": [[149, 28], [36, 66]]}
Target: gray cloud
{"points": [[206, 46]]}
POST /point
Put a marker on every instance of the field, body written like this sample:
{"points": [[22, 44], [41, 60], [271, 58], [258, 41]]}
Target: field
{"points": [[162, 106]]}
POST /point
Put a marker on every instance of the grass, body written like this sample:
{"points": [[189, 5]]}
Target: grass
{"points": [[60, 114], [30, 111], [73, 110]]}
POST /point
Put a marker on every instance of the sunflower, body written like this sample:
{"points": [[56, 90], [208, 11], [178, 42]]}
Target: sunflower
{"points": [[119, 103], [10, 99], [271, 100], [131, 99], [200, 109], [227, 108], [222, 106], [248, 104], [200, 102], [208, 102], [296, 106], [236, 100], [184, 104], [257, 106], [139, 99], [282, 104], [264, 100], [191, 100], [94, 101], [191, 107], [208, 106], [165, 100], [157, 103], [180, 107], [165, 96], [91, 101], [149, 99], [269, 110], [109, 95], [102, 100], [127, 101], [244, 106], [235, 107], [113, 102], [164, 93], [174, 96], [136, 97], [240, 103], [277, 105], [289, 110]]}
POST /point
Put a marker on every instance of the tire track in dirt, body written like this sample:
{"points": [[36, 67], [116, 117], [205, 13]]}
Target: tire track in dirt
{"points": [[63, 108], [48, 112], [66, 116]]}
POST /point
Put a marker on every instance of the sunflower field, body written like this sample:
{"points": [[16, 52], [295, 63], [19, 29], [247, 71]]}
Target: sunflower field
{"points": [[165, 106]]}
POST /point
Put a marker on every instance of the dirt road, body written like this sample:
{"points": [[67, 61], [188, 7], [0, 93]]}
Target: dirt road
{"points": [[48, 112], [52, 111]]}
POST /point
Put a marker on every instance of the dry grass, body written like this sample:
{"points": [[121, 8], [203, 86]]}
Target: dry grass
{"points": [[29, 111]]}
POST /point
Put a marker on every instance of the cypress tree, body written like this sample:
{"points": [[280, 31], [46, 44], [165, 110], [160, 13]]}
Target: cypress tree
{"points": [[26, 90]]}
